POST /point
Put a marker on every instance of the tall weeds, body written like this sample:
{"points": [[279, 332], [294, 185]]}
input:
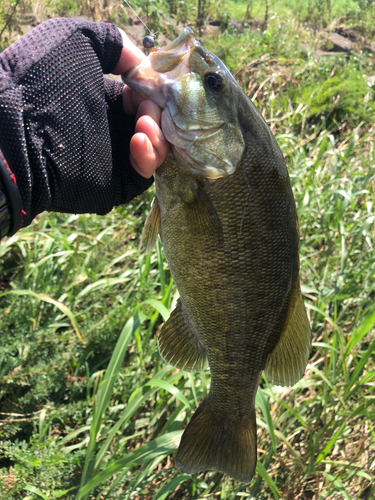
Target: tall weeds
{"points": [[88, 408]]}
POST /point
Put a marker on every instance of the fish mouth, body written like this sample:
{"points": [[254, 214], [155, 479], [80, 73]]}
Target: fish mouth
{"points": [[153, 76], [185, 146], [174, 78]]}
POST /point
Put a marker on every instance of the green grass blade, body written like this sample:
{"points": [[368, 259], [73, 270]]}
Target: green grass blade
{"points": [[267, 479], [36, 491], [61, 493], [263, 404], [105, 391], [358, 369], [162, 445], [169, 487], [364, 328], [159, 307], [331, 443], [293, 412], [137, 398], [340, 488], [56, 303], [162, 384]]}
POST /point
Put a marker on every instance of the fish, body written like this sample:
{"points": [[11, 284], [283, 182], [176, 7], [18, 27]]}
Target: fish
{"points": [[226, 216]]}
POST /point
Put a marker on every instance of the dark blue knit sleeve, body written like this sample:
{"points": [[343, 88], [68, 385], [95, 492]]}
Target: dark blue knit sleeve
{"points": [[63, 133]]}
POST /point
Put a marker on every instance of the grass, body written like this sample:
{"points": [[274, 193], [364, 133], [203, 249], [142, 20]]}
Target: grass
{"points": [[90, 411], [298, 9]]}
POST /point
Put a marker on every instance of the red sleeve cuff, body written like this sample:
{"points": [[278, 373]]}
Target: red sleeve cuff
{"points": [[13, 198]]}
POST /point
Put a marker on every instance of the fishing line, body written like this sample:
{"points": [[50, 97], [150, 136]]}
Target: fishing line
{"points": [[148, 41]]}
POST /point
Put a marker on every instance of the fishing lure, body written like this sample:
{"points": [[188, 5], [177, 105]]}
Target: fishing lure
{"points": [[148, 40]]}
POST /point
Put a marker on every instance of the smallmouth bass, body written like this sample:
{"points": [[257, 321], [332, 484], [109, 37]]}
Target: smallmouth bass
{"points": [[226, 216]]}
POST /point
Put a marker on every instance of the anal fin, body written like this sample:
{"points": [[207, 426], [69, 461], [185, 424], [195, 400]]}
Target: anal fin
{"points": [[287, 362], [151, 228], [178, 344]]}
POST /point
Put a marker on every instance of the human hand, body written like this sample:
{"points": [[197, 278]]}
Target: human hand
{"points": [[148, 146], [65, 131]]}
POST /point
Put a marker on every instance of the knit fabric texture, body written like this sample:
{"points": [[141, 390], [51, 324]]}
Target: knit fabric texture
{"points": [[63, 130]]}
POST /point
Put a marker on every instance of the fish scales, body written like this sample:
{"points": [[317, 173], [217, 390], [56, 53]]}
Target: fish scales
{"points": [[254, 295], [225, 212]]}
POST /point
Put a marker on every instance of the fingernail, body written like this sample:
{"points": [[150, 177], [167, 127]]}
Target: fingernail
{"points": [[147, 144], [159, 133]]}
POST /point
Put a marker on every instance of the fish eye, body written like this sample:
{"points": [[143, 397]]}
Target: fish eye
{"points": [[214, 80]]}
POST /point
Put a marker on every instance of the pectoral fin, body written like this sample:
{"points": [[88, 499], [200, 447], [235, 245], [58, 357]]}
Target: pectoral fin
{"points": [[202, 217], [151, 228], [287, 362], [178, 344]]}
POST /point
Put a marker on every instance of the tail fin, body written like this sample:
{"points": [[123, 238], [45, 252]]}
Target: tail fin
{"points": [[210, 444]]}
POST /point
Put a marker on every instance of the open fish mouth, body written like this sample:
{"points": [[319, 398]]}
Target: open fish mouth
{"points": [[179, 78], [162, 68]]}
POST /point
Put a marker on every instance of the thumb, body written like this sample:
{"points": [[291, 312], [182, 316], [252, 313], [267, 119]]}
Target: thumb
{"points": [[130, 56]]}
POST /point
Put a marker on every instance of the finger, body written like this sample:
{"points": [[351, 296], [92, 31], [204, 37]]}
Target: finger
{"points": [[130, 56], [148, 124], [149, 108], [144, 157], [131, 100], [148, 147]]}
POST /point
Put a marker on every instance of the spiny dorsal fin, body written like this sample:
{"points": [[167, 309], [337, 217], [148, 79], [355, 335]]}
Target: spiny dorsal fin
{"points": [[287, 362], [151, 228], [178, 344]]}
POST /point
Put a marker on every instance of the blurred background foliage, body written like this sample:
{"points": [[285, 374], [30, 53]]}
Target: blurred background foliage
{"points": [[88, 409]]}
